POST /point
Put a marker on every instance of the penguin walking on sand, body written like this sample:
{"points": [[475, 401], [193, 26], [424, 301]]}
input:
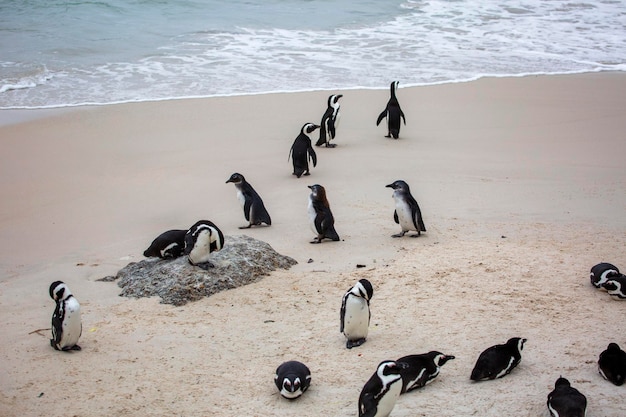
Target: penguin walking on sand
{"points": [[330, 121], [612, 364], [292, 379], [201, 239], [381, 391], [566, 401], [407, 213], [601, 272], [167, 245], [421, 369], [301, 151], [66, 324], [355, 313], [253, 207], [616, 287], [497, 361], [393, 113], [321, 218]]}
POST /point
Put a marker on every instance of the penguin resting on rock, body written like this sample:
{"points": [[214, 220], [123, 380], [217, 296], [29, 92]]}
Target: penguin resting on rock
{"points": [[201, 239]]}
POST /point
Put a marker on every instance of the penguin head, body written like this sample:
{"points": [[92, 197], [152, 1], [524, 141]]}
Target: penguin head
{"points": [[291, 387], [613, 347], [517, 343], [393, 87], [612, 285], [309, 127], [236, 178], [59, 291], [439, 358], [364, 289], [561, 382], [390, 370], [317, 192], [399, 185], [333, 100]]}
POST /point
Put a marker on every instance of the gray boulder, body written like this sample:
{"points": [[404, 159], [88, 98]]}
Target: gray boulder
{"points": [[243, 260]]}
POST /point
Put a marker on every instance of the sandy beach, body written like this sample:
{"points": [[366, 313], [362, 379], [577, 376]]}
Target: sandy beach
{"points": [[521, 182]]}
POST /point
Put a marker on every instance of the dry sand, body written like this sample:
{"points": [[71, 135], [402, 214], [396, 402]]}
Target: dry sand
{"points": [[521, 182]]}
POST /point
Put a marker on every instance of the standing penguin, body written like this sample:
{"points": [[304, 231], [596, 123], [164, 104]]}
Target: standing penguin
{"points": [[320, 217], [407, 213], [381, 391], [301, 151], [421, 369], [201, 239], [330, 121], [566, 401], [612, 364], [616, 287], [355, 313], [292, 379], [170, 244], [253, 207], [392, 112], [66, 324], [499, 360], [601, 272]]}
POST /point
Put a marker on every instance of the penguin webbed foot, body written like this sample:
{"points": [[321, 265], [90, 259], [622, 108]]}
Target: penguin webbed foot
{"points": [[246, 227], [54, 345], [316, 240], [205, 265], [401, 234], [75, 347], [418, 234], [330, 145], [354, 343]]}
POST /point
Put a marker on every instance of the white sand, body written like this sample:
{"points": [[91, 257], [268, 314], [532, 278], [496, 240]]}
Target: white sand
{"points": [[521, 182]]}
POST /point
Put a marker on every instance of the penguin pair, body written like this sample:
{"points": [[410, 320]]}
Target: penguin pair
{"points": [[253, 208], [566, 401], [612, 364], [66, 323], [292, 379], [606, 276], [393, 113], [499, 360]]}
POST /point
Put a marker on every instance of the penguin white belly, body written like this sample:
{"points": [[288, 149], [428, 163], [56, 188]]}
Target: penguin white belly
{"points": [[72, 327], [312, 217], [202, 249], [241, 198], [388, 401], [405, 215], [357, 317]]}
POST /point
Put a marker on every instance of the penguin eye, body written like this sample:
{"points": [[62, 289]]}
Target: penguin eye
{"points": [[287, 383]]}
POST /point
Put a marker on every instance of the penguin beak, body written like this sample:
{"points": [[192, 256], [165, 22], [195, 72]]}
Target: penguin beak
{"points": [[389, 185], [310, 186]]}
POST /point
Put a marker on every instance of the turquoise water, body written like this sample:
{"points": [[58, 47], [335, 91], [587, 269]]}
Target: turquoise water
{"points": [[64, 53]]}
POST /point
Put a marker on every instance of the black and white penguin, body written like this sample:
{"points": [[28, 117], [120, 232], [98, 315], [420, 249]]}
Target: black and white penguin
{"points": [[292, 379], [66, 324], [421, 369], [601, 272], [355, 313], [566, 401], [616, 287], [201, 239], [381, 391], [170, 244], [320, 217], [407, 213], [393, 113], [612, 364], [253, 207], [499, 360], [301, 151], [330, 121]]}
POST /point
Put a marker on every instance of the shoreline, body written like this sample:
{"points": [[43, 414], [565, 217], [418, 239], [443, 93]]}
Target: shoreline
{"points": [[520, 182]]}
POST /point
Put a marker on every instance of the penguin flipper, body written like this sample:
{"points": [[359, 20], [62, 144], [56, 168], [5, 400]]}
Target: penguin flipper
{"points": [[57, 327], [342, 313], [395, 217], [381, 117], [331, 129], [402, 114], [313, 156], [247, 206], [322, 139]]}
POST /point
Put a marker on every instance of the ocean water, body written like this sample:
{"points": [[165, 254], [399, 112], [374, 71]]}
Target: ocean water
{"points": [[65, 53]]}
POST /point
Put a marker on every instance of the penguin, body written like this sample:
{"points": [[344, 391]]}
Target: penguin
{"points": [[301, 151], [66, 324], [170, 244], [330, 121], [499, 360], [566, 401], [612, 364], [601, 272], [616, 287], [201, 239], [320, 217], [292, 379], [392, 112], [253, 207], [421, 369], [355, 313], [381, 391], [407, 213]]}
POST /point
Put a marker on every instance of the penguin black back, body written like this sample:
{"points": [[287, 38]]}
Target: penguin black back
{"points": [[566, 401], [499, 360], [329, 122], [170, 244], [393, 113], [421, 369], [253, 208], [301, 151], [612, 364]]}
